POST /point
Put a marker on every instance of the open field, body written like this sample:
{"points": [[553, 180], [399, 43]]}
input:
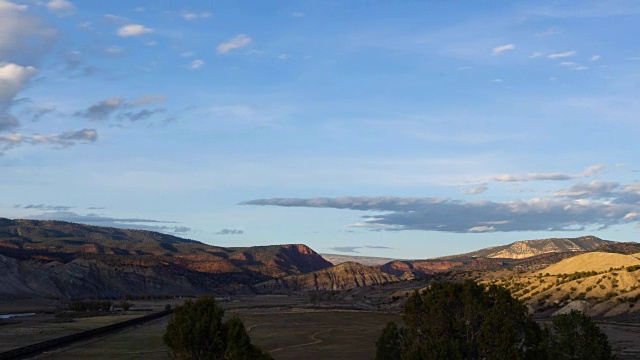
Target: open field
{"points": [[286, 335], [140, 342], [23, 331], [297, 334], [317, 335], [282, 326]]}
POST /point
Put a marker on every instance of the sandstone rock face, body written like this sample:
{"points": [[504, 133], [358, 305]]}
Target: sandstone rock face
{"points": [[418, 267], [528, 248], [340, 277]]}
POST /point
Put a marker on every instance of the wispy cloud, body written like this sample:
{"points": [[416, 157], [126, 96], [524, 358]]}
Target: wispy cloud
{"points": [[230, 232], [354, 249], [502, 48], [561, 55], [62, 140], [588, 172], [133, 30], [195, 64], [123, 223], [61, 7], [475, 190], [532, 177], [584, 206], [120, 109], [191, 15], [550, 31], [234, 43], [44, 207]]}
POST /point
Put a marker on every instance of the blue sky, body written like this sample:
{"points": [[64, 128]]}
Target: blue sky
{"points": [[402, 129]]}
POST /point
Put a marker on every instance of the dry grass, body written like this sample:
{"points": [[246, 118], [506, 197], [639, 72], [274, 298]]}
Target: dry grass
{"points": [[597, 261]]}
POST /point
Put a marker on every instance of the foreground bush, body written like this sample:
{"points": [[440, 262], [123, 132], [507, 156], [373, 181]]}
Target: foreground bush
{"points": [[197, 331], [469, 321], [576, 336]]}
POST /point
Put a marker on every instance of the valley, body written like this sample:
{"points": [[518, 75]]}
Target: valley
{"points": [[292, 300]]}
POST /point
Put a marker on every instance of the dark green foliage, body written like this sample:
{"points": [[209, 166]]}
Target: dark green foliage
{"points": [[470, 321], [389, 342], [197, 331], [462, 321], [576, 336]]}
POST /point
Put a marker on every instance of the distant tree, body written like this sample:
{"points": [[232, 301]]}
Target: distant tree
{"points": [[463, 321], [576, 336], [197, 331]]}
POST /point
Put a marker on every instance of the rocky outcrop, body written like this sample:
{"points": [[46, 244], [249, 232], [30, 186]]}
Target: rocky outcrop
{"points": [[528, 248], [419, 267], [87, 279], [340, 277]]}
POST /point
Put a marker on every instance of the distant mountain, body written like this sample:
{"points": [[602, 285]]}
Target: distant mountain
{"points": [[527, 254], [62, 259], [344, 276], [336, 259], [528, 248]]}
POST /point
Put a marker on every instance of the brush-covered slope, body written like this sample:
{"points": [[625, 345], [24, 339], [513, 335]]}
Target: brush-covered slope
{"points": [[344, 276], [600, 284], [528, 248], [117, 262]]}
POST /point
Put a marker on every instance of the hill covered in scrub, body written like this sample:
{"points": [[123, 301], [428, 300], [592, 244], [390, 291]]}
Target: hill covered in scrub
{"points": [[61, 259], [529, 248], [598, 283]]}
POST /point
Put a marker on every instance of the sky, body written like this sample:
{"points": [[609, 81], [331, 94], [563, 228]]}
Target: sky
{"points": [[404, 129]]}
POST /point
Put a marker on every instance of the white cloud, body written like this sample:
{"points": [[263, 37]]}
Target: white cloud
{"points": [[283, 56], [536, 54], [23, 37], [9, 6], [593, 170], [496, 81], [190, 15], [187, 54], [13, 78], [561, 55], [502, 48], [595, 58], [195, 64], [133, 30], [297, 14], [236, 42], [532, 177], [61, 7]]}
